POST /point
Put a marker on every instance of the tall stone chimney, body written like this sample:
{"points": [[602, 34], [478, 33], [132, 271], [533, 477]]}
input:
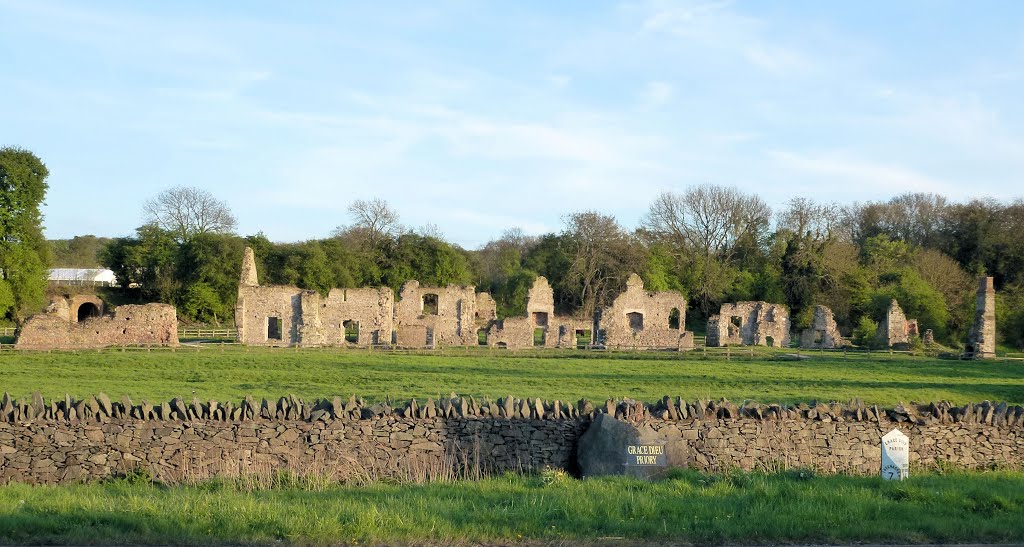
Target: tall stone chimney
{"points": [[981, 342], [249, 278]]}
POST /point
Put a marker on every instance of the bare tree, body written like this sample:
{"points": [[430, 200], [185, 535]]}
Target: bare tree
{"points": [[708, 229], [806, 217], [187, 211], [707, 219], [603, 257], [374, 220]]}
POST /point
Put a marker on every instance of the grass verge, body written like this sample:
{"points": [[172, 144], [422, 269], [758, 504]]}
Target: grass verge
{"points": [[234, 372], [688, 507]]}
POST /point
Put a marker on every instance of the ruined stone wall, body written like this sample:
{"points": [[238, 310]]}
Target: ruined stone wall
{"points": [[149, 324], [640, 319], [981, 341], [760, 324], [307, 319], [370, 309], [823, 333], [486, 309], [256, 306], [518, 332], [79, 300], [73, 440], [512, 333], [894, 330], [454, 322]]}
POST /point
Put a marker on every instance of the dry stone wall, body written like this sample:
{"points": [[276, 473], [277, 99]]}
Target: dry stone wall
{"points": [[73, 440]]}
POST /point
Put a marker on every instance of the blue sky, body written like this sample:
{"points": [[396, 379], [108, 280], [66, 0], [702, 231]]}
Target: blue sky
{"points": [[481, 116]]}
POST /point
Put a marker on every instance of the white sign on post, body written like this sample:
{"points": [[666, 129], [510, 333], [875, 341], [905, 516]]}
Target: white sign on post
{"points": [[895, 456]]}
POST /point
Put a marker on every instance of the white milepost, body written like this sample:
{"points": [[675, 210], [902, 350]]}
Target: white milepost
{"points": [[895, 455]]}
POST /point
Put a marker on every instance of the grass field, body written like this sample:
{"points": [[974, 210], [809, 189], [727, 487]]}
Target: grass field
{"points": [[689, 507], [160, 375]]}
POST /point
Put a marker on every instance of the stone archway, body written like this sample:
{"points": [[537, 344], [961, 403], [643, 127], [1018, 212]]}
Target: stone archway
{"points": [[85, 306], [87, 310]]}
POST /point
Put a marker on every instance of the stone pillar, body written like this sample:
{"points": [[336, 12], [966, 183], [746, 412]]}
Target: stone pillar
{"points": [[981, 342], [249, 277]]}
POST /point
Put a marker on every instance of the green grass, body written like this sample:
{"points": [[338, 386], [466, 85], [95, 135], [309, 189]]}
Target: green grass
{"points": [[690, 507], [567, 375]]}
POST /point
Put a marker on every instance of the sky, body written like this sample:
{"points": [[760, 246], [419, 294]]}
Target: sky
{"points": [[475, 117]]}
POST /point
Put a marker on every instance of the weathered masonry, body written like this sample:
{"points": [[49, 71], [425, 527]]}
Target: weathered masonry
{"points": [[823, 333], [981, 341], [749, 324], [427, 317], [638, 318], [286, 316], [80, 323], [69, 440]]}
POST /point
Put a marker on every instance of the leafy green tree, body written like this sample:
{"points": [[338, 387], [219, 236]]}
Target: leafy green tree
{"points": [[916, 297], [77, 252], [201, 303], [24, 253], [145, 264], [865, 333]]}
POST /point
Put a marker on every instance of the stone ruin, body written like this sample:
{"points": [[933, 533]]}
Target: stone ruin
{"points": [[540, 327], [895, 330], [823, 333], [430, 316], [749, 324], [427, 317], [981, 341], [289, 316], [79, 323], [641, 319]]}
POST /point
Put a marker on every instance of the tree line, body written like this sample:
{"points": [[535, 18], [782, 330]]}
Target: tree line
{"points": [[712, 243]]}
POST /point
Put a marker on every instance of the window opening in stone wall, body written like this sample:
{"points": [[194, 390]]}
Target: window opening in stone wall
{"points": [[583, 338], [540, 319], [673, 319], [430, 304], [539, 336], [819, 337], [736, 321], [429, 342], [481, 337], [273, 328], [88, 310], [351, 331], [636, 320], [769, 341]]}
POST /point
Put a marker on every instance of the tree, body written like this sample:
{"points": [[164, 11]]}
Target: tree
{"points": [[145, 263], [372, 222], [187, 211], [24, 253], [603, 256], [711, 231]]}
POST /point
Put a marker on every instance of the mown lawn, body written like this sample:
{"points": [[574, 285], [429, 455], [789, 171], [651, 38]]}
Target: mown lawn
{"points": [[567, 375], [689, 507]]}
